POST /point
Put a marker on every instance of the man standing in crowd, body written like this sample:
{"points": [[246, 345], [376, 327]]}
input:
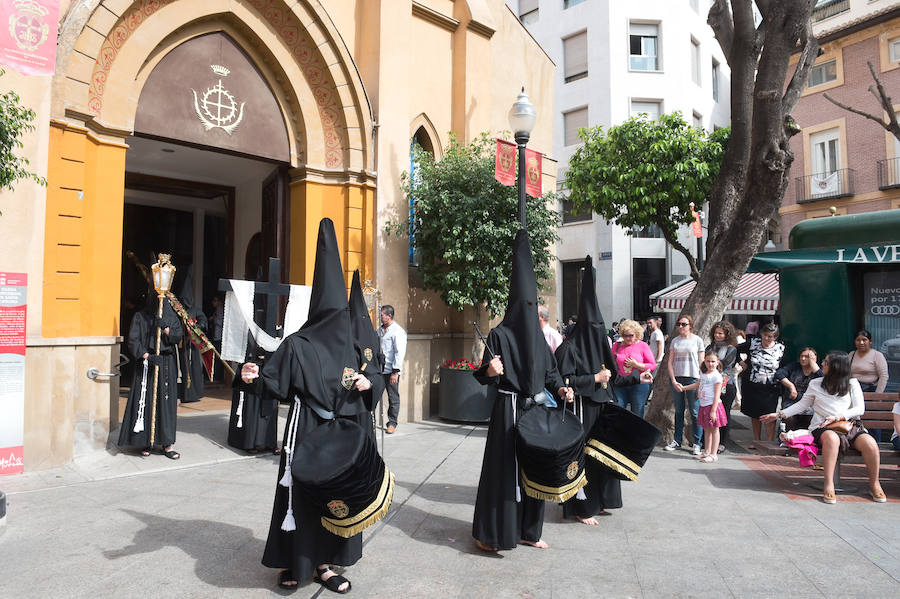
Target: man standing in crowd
{"points": [[657, 340], [393, 346], [551, 335]]}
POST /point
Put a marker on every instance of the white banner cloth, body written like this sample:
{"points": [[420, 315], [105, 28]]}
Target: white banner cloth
{"points": [[239, 319]]}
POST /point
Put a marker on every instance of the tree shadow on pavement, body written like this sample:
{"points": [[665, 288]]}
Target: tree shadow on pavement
{"points": [[442, 493], [433, 529], [226, 556]]}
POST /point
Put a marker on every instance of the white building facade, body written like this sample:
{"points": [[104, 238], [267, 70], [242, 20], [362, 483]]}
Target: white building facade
{"points": [[616, 59]]}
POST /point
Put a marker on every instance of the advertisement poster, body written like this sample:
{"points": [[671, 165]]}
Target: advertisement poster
{"points": [[12, 371], [882, 304], [28, 31]]}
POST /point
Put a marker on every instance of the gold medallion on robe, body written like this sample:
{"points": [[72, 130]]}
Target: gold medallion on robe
{"points": [[338, 508], [572, 470], [368, 354], [347, 378]]}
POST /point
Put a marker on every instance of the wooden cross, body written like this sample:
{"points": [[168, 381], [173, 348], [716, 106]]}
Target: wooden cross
{"points": [[272, 289]]}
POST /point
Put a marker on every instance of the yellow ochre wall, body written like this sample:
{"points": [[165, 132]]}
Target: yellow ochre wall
{"points": [[83, 238], [351, 206]]}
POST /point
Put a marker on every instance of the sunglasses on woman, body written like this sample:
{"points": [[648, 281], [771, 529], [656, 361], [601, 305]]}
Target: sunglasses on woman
{"points": [[683, 324]]}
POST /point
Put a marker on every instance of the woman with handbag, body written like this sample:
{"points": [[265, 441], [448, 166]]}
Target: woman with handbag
{"points": [[633, 357], [837, 404], [765, 355]]}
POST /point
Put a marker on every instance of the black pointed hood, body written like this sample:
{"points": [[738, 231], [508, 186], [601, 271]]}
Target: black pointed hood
{"points": [[327, 328], [186, 292], [589, 334], [366, 339], [525, 367]]}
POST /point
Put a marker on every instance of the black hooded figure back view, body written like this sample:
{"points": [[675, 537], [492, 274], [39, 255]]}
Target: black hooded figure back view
{"points": [[504, 515]]}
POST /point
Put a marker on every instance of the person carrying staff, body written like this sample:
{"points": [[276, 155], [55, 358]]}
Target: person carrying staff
{"points": [[518, 362]]}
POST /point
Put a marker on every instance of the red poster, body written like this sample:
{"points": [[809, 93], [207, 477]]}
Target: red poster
{"points": [[505, 163], [533, 185], [28, 35], [12, 371]]}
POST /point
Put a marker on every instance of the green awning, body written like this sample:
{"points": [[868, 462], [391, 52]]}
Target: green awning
{"points": [[855, 254]]}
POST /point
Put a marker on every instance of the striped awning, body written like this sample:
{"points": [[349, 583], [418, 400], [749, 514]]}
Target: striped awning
{"points": [[757, 293]]}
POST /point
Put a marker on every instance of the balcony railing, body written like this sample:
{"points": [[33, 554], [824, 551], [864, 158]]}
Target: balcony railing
{"points": [[825, 9], [823, 186], [889, 173]]}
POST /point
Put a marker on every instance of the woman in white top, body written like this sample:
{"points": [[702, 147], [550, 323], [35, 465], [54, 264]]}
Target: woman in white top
{"points": [[837, 398], [686, 351]]}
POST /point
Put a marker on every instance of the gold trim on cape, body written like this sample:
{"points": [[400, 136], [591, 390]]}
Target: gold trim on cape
{"points": [[611, 458], [557, 494], [348, 527]]}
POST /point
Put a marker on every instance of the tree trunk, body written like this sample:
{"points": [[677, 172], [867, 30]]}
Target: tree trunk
{"points": [[754, 173]]}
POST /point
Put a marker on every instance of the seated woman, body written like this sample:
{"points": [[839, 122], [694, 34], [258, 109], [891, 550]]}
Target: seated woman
{"points": [[795, 378], [837, 404]]}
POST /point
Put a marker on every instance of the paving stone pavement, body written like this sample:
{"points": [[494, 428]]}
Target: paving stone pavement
{"points": [[117, 525]]}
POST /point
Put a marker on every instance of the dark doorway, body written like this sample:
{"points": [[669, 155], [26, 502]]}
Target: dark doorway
{"points": [[648, 276]]}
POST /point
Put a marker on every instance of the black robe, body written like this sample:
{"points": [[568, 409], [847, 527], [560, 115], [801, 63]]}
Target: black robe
{"points": [[500, 520], [254, 411], [192, 386], [307, 370], [141, 340], [603, 490]]}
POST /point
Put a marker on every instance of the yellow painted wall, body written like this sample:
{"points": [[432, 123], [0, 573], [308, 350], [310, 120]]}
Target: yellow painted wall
{"points": [[351, 207], [83, 237]]}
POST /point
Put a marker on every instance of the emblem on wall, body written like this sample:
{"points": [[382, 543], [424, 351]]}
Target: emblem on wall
{"points": [[27, 26], [216, 107]]}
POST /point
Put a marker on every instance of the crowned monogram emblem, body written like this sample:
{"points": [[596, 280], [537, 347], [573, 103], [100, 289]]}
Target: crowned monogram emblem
{"points": [[368, 354], [338, 508], [533, 170], [507, 157], [27, 26], [216, 107], [572, 470], [347, 378]]}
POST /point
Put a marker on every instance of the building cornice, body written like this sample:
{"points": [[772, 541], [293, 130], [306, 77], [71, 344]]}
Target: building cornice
{"points": [[432, 16]]}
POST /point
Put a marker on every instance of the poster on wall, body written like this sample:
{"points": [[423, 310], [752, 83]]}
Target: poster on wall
{"points": [[12, 372], [28, 31], [882, 304]]}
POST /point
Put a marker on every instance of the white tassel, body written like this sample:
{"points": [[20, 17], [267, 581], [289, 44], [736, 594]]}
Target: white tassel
{"points": [[240, 411], [515, 398], [289, 524], [285, 479], [580, 494], [139, 419]]}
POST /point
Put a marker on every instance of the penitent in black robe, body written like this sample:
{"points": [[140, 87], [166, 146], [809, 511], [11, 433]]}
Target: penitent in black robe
{"points": [[505, 514], [586, 351], [254, 411], [307, 370], [141, 340], [192, 386]]}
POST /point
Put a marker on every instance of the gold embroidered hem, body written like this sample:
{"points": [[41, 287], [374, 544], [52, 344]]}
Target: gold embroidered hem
{"points": [[375, 511], [611, 458], [557, 494]]}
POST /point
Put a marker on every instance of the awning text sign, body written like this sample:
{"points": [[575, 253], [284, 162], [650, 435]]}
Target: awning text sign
{"points": [[12, 371], [873, 254]]}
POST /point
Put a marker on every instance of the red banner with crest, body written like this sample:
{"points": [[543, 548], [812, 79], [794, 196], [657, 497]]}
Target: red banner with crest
{"points": [[505, 163], [533, 185], [28, 31]]}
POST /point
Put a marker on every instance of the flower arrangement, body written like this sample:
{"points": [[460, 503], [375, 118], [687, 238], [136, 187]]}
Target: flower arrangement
{"points": [[460, 365]]}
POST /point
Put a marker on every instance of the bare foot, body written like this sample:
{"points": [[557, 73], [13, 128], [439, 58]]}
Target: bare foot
{"points": [[589, 521], [540, 544], [485, 547]]}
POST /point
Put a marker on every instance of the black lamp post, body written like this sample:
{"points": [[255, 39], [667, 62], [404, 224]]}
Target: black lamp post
{"points": [[522, 117]]}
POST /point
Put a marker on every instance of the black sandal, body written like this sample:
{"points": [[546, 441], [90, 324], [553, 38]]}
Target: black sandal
{"points": [[285, 577], [172, 454], [146, 451], [334, 582]]}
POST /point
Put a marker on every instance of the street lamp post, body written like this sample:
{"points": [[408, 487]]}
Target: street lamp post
{"points": [[522, 117]]}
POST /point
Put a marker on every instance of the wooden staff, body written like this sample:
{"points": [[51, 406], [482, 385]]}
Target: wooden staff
{"points": [[156, 373]]}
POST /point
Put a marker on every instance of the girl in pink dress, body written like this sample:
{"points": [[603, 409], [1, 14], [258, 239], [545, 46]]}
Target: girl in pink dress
{"points": [[711, 415]]}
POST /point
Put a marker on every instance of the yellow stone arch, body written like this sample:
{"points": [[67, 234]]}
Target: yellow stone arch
{"points": [[106, 51]]}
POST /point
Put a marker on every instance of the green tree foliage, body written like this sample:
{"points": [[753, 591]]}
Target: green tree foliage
{"points": [[464, 222], [646, 172], [15, 121]]}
